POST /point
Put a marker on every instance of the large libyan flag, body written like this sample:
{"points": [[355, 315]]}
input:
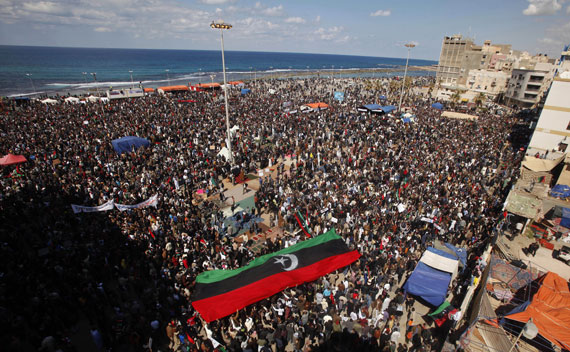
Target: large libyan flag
{"points": [[220, 293]]}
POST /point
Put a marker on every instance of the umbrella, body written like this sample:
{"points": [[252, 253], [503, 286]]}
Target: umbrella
{"points": [[12, 159]]}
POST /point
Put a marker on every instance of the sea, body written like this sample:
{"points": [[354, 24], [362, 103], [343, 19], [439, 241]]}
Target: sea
{"points": [[40, 71]]}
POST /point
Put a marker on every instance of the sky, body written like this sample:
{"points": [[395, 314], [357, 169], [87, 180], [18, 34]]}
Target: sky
{"points": [[358, 27]]}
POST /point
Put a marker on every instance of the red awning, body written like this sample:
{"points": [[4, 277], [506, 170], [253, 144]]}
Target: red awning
{"points": [[12, 159]]}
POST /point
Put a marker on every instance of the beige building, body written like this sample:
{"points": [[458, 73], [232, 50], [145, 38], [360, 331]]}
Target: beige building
{"points": [[466, 66], [552, 132], [486, 81]]}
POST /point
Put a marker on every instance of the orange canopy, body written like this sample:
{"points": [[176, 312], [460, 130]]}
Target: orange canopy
{"points": [[208, 85], [550, 310], [235, 83], [148, 90], [317, 105], [173, 88]]}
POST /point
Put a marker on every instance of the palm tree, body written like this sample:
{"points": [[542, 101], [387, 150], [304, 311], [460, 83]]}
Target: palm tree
{"points": [[479, 99], [455, 98]]}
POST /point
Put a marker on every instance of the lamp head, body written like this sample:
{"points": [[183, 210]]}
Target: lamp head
{"points": [[220, 25]]}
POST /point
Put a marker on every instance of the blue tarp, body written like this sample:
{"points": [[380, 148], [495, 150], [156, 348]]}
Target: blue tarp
{"points": [[565, 218], [126, 144], [442, 253], [388, 108], [406, 120], [339, 96], [245, 91], [428, 283], [460, 252], [373, 107], [438, 106], [383, 97], [560, 191]]}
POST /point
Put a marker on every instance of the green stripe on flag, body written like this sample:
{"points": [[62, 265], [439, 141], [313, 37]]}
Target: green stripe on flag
{"points": [[211, 276], [440, 309]]}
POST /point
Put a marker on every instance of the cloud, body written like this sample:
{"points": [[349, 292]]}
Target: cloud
{"points": [[295, 20], [550, 41], [214, 2], [273, 11], [542, 7], [381, 13], [318, 19], [330, 33], [127, 16]]}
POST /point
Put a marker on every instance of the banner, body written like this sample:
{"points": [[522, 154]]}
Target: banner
{"points": [[339, 96], [219, 293], [83, 209], [151, 202]]}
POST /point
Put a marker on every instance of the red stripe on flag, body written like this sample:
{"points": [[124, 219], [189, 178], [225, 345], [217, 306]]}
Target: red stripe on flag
{"points": [[300, 224], [222, 305]]}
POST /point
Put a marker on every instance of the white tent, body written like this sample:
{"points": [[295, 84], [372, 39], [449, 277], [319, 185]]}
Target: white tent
{"points": [[49, 101], [72, 100], [225, 153], [93, 98]]}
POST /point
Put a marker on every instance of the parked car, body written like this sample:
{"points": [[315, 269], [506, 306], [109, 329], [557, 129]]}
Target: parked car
{"points": [[562, 254]]}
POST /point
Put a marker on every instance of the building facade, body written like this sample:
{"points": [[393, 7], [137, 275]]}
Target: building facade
{"points": [[552, 132], [527, 86]]}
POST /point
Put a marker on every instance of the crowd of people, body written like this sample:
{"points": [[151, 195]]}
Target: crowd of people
{"points": [[129, 275]]}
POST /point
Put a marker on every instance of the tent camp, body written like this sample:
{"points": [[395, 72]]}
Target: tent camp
{"points": [[203, 86], [49, 101], [388, 108], [314, 107], [438, 106], [225, 153], [180, 88], [375, 108], [126, 144], [458, 115], [431, 277], [93, 98], [236, 83], [72, 100], [549, 310]]}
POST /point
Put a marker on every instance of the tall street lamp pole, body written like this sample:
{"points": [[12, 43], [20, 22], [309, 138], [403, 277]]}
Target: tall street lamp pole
{"points": [[221, 26], [94, 74], [32, 82], [409, 46]]}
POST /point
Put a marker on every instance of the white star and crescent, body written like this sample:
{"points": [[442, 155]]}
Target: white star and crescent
{"points": [[293, 258]]}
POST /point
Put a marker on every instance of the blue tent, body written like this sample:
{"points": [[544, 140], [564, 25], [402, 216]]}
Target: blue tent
{"points": [[383, 97], [565, 218], [461, 253], [245, 91], [406, 120], [126, 144], [560, 191], [388, 108], [438, 106], [371, 108], [428, 283]]}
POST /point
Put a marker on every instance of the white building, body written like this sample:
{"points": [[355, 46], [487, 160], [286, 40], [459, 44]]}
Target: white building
{"points": [[526, 86], [552, 132]]}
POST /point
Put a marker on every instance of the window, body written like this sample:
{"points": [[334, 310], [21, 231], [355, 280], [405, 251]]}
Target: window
{"points": [[568, 127], [562, 147]]}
